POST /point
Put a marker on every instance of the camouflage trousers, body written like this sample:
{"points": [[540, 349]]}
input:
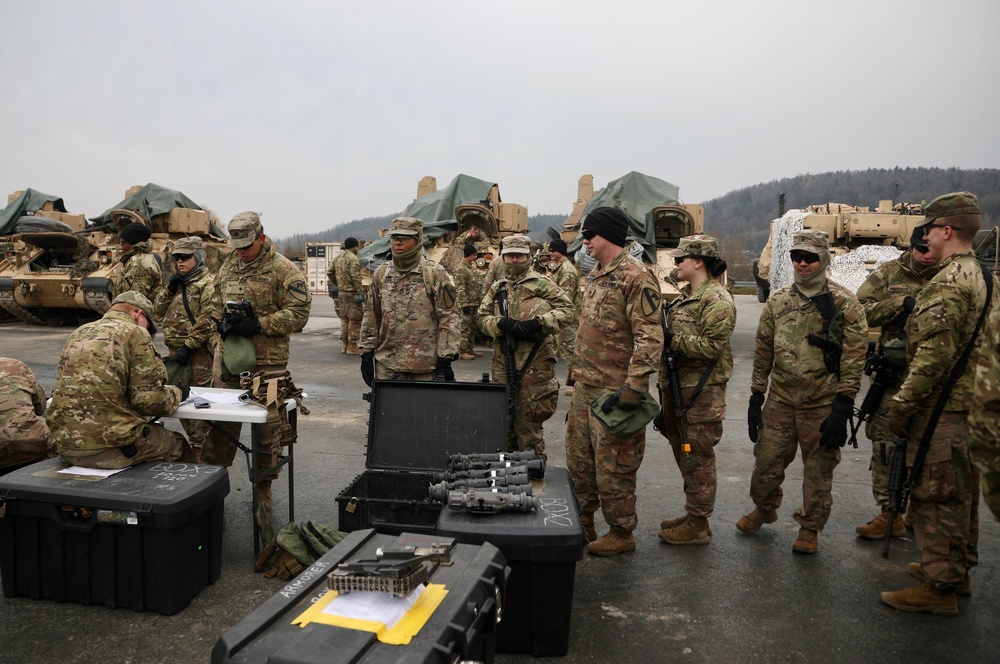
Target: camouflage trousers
{"points": [[877, 430], [703, 424], [467, 343], [945, 501], [24, 437], [201, 376], [534, 403], [565, 343], [350, 313], [602, 465], [155, 444], [786, 430], [383, 372]]}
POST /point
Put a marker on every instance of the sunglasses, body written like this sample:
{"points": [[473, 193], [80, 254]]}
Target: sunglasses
{"points": [[183, 257], [588, 234], [804, 257], [927, 227], [680, 259]]}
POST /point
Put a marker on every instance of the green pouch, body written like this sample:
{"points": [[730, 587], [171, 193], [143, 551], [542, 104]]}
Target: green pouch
{"points": [[622, 422], [238, 355], [177, 374], [308, 540]]}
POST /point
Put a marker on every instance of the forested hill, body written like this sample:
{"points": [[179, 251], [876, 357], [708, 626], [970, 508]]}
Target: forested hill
{"points": [[746, 212]]}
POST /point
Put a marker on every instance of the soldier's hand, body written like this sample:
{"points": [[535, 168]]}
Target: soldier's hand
{"points": [[833, 430], [246, 327], [468, 311], [182, 356], [909, 303], [443, 370], [333, 291], [368, 367], [507, 324], [527, 329], [175, 282], [222, 327], [628, 399], [899, 421], [185, 391], [755, 421], [359, 297]]}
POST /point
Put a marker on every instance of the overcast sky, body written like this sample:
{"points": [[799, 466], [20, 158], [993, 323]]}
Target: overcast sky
{"points": [[318, 113]]}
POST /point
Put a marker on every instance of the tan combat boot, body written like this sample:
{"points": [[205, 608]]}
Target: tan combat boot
{"points": [[612, 544], [875, 529], [908, 516], [667, 524], [923, 599], [692, 530], [752, 522], [916, 570], [466, 356], [587, 521], [352, 349], [806, 542]]}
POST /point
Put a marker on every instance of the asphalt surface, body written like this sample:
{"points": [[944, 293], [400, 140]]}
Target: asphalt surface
{"points": [[740, 599]]}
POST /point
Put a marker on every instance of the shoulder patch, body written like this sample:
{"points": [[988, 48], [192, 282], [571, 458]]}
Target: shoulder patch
{"points": [[649, 302], [298, 291], [446, 297]]}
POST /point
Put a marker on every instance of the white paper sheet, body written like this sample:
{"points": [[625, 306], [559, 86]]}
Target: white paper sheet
{"points": [[232, 398], [377, 607], [90, 472]]}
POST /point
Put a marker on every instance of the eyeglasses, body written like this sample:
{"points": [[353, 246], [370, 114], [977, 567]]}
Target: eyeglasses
{"points": [[804, 257], [927, 227], [680, 259], [588, 234], [183, 257]]}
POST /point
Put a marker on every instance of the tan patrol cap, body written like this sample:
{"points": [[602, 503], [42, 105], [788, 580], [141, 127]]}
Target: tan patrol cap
{"points": [[811, 240], [187, 246], [244, 228], [406, 226], [137, 299], [515, 244], [950, 205], [703, 246]]}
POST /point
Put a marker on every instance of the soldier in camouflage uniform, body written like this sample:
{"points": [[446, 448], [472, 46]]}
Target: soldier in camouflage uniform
{"points": [[24, 434], [493, 272], [566, 277], [699, 325], [111, 382], [351, 295], [618, 346], [536, 309], [470, 292], [984, 413], [473, 236], [888, 296], [811, 344], [945, 492], [140, 269], [411, 328], [276, 289], [184, 309]]}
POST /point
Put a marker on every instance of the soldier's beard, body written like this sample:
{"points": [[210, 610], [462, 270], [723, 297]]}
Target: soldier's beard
{"points": [[406, 260]]}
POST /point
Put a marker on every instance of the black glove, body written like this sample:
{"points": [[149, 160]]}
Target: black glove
{"points": [[834, 428], [506, 324], [368, 367], [175, 282], [667, 336], [185, 391], [182, 356], [333, 291], [909, 303], [468, 311], [223, 328], [754, 420], [443, 370], [527, 329], [246, 327], [624, 398], [359, 297]]}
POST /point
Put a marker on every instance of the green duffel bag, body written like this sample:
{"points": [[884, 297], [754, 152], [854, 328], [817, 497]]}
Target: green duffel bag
{"points": [[619, 421]]}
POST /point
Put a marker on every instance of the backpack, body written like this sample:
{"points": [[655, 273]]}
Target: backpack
{"points": [[295, 547]]}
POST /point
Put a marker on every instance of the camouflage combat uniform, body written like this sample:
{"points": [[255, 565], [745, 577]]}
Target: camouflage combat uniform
{"points": [[945, 498], [984, 413], [348, 271], [469, 285], [24, 433], [111, 382], [802, 391], [531, 296], [882, 295], [410, 320], [140, 271], [567, 277], [702, 323], [619, 341], [493, 272]]}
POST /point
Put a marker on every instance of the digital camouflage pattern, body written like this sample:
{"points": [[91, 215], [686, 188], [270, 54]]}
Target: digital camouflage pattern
{"points": [[111, 381], [702, 322], [347, 269], [567, 277], [139, 271], [469, 285], [882, 295], [410, 319], [532, 296], [24, 433], [984, 413], [619, 341]]}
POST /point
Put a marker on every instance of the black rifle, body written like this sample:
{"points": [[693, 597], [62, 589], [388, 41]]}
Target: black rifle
{"points": [[675, 386], [885, 375], [508, 344], [898, 492]]}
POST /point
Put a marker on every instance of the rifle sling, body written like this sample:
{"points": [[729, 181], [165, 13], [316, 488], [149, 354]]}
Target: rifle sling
{"points": [[187, 307], [701, 384]]}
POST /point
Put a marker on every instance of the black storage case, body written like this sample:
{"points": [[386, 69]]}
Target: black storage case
{"points": [[412, 428], [462, 628], [542, 549], [148, 538]]}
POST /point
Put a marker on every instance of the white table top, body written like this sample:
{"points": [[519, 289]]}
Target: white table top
{"points": [[223, 412]]}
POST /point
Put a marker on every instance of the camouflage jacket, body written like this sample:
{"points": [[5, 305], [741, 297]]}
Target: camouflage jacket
{"points": [[278, 293], [883, 292], [469, 284], [140, 271], [702, 323], [111, 381], [533, 296], [984, 411], [178, 328], [22, 405], [410, 318], [493, 272], [348, 272], [938, 331], [567, 277], [619, 340], [463, 240], [796, 369]]}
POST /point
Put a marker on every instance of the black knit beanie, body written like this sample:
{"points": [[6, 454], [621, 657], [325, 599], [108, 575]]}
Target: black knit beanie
{"points": [[608, 222], [470, 250], [135, 233], [350, 243], [558, 245]]}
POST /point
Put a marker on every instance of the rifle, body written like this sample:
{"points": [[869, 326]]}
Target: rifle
{"points": [[898, 489], [508, 344], [675, 386]]}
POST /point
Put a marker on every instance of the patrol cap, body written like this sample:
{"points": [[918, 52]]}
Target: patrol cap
{"points": [[950, 205], [702, 246], [515, 244], [186, 246], [811, 240], [406, 226], [244, 228], [137, 299]]}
